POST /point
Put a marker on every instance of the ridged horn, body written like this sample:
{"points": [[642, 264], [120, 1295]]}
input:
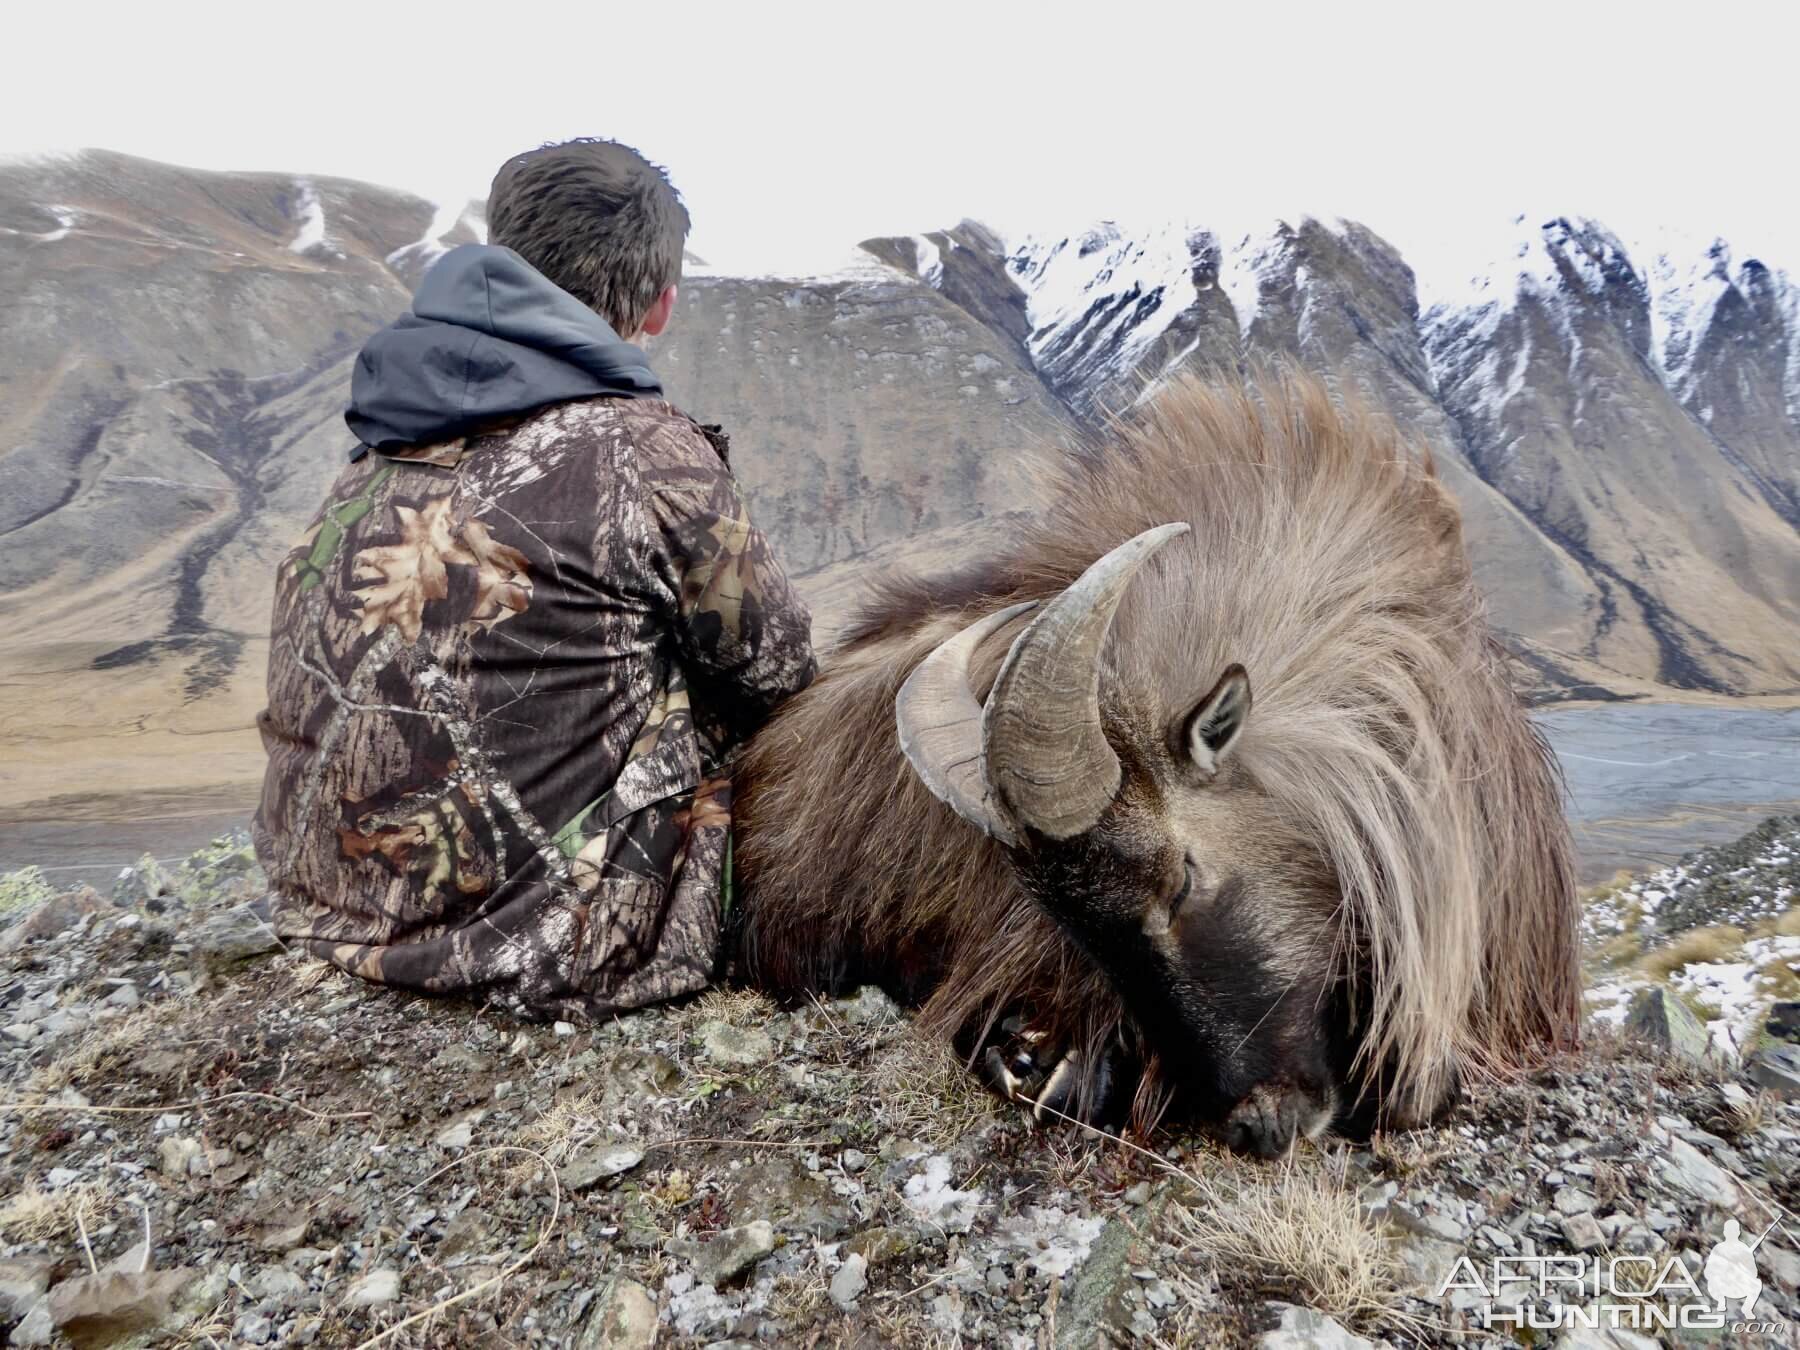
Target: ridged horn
{"points": [[939, 721], [1045, 754]]}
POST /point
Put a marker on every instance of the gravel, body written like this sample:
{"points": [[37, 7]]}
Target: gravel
{"points": [[317, 1159]]}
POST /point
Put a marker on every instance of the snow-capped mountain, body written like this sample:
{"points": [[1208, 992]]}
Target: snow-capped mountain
{"points": [[1623, 435]]}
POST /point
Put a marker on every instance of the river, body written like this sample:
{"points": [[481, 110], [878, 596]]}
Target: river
{"points": [[1647, 782]]}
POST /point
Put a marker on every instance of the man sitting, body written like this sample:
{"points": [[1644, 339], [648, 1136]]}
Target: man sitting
{"points": [[526, 627]]}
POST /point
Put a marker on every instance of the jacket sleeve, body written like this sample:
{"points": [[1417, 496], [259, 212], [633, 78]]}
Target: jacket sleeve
{"points": [[744, 636]]}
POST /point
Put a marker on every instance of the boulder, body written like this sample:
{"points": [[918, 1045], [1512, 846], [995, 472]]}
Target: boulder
{"points": [[1659, 1018], [594, 1165], [104, 1309], [56, 915], [849, 1281], [730, 1255], [1303, 1329], [623, 1317], [1777, 1068], [736, 1047]]}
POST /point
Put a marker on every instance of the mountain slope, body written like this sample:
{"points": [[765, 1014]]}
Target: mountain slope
{"points": [[170, 415], [1554, 384], [863, 407]]}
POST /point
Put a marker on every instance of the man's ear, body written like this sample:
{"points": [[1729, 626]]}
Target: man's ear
{"points": [[658, 317]]}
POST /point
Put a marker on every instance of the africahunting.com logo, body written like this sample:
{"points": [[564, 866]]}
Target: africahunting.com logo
{"points": [[1636, 1293]]}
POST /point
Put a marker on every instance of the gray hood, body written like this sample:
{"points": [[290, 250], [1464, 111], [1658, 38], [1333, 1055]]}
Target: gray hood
{"points": [[488, 337]]}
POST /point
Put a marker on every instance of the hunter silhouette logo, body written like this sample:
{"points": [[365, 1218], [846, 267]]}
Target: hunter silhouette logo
{"points": [[1730, 1270]]}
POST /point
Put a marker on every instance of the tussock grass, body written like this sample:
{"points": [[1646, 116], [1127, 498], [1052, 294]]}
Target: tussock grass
{"points": [[103, 1049], [1779, 978], [1698, 946], [924, 1090], [1404, 1153], [34, 1214], [572, 1120], [734, 1007], [1785, 924], [1623, 949], [798, 1297], [1612, 893], [1740, 1121], [1296, 1226]]}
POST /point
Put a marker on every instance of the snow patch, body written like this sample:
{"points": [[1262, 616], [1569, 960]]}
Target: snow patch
{"points": [[312, 218], [931, 1196], [65, 217], [1066, 279], [1053, 1241], [1735, 993], [429, 247], [1559, 262], [1688, 279], [1242, 271], [929, 259], [1097, 300], [1737, 990]]}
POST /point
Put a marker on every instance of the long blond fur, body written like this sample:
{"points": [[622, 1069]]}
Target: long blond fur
{"points": [[1327, 559]]}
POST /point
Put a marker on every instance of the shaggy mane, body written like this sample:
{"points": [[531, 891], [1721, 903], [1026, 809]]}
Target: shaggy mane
{"points": [[1327, 559]]}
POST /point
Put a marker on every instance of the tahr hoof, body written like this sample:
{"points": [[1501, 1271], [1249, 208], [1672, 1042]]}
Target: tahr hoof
{"points": [[1052, 1082], [1272, 1116]]}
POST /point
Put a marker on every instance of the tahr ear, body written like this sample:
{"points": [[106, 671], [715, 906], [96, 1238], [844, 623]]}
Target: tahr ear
{"points": [[1212, 729]]}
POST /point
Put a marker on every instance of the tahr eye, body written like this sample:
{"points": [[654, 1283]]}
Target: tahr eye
{"points": [[1186, 889]]}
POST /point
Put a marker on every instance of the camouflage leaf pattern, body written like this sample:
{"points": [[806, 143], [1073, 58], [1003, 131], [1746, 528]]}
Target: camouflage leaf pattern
{"points": [[504, 678]]}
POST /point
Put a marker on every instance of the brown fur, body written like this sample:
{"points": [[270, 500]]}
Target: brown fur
{"points": [[1327, 559]]}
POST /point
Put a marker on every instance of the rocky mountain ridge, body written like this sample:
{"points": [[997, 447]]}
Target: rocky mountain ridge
{"points": [[1623, 437]]}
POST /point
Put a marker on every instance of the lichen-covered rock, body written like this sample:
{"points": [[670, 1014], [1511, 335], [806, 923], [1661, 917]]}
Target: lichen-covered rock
{"points": [[1659, 1018], [728, 1256], [622, 1317], [736, 1047]]}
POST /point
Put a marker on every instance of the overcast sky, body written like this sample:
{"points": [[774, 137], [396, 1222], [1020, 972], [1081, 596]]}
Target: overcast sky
{"points": [[795, 130]]}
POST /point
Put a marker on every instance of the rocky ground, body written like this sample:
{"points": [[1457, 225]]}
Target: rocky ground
{"points": [[206, 1140]]}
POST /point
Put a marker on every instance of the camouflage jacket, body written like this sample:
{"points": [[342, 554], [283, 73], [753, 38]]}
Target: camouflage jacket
{"points": [[504, 677]]}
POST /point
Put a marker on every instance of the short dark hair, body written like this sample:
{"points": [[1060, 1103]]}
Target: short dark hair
{"points": [[596, 218]]}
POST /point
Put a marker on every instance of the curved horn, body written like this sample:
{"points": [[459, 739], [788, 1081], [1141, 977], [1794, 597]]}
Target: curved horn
{"points": [[1047, 759], [940, 727]]}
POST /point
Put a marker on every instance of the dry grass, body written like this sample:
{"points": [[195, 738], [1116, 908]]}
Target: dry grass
{"points": [[309, 972], [106, 1048], [1403, 1153], [1785, 924], [1195, 1322], [1696, 947], [797, 1298], [572, 1120], [923, 1090], [37, 1215], [904, 1328], [1296, 1226], [1779, 978], [1611, 1183], [1623, 949], [734, 1007]]}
